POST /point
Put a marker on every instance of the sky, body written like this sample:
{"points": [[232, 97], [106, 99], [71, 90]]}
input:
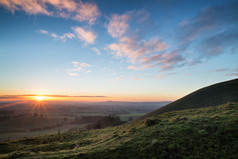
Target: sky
{"points": [[120, 50]]}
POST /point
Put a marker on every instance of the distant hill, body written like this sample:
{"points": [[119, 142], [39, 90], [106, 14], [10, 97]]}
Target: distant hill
{"points": [[213, 95]]}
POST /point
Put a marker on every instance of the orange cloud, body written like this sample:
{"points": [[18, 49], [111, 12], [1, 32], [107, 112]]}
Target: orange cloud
{"points": [[85, 35], [77, 10]]}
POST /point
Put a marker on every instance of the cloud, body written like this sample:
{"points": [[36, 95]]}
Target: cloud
{"points": [[166, 61], [67, 36], [118, 26], [163, 75], [54, 35], [232, 74], [183, 23], [218, 43], [133, 67], [136, 78], [220, 70], [118, 79], [77, 10], [78, 67], [139, 67], [63, 37], [98, 52], [43, 31], [87, 12], [212, 31], [24, 96], [133, 48], [29, 6], [131, 44], [156, 45], [85, 35]]}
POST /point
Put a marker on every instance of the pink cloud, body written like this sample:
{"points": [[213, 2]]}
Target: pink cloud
{"points": [[85, 35], [133, 49], [87, 12], [29, 6], [63, 37], [77, 10], [118, 26], [156, 45], [165, 61], [129, 43]]}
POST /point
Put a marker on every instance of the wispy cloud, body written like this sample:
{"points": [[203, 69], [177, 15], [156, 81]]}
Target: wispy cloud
{"points": [[96, 50], [142, 52], [43, 31], [77, 10], [116, 79], [165, 61], [78, 68], [62, 37], [232, 74], [24, 96], [163, 75], [118, 25], [140, 67], [212, 32], [136, 78], [220, 70], [84, 35]]}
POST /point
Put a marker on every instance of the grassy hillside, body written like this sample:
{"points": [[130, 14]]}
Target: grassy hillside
{"points": [[196, 133], [213, 95]]}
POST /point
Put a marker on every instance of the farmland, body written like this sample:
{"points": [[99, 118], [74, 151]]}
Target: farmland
{"points": [[24, 120]]}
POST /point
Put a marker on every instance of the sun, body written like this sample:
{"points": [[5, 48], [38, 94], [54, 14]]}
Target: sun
{"points": [[40, 98]]}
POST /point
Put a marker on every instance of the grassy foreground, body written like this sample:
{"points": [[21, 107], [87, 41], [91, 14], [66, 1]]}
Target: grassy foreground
{"points": [[196, 133]]}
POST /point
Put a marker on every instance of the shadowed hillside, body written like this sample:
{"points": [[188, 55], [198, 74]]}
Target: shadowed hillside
{"points": [[196, 133], [213, 95]]}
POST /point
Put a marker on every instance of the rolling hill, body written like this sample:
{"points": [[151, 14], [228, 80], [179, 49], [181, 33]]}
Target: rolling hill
{"points": [[210, 132], [213, 95]]}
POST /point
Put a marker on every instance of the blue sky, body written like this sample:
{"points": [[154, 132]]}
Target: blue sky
{"points": [[124, 50]]}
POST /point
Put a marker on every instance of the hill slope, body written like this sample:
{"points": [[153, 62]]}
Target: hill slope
{"points": [[213, 95], [210, 132], [196, 133]]}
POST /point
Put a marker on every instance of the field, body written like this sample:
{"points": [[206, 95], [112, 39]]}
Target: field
{"points": [[24, 120], [197, 133]]}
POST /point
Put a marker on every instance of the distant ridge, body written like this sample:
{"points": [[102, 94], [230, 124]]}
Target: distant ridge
{"points": [[213, 95]]}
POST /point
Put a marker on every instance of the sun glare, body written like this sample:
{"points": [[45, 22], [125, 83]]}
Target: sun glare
{"points": [[40, 98]]}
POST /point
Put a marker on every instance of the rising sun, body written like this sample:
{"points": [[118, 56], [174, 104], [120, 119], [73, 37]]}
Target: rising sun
{"points": [[40, 98]]}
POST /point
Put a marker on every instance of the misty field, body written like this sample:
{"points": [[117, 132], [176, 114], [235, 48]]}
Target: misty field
{"points": [[21, 121]]}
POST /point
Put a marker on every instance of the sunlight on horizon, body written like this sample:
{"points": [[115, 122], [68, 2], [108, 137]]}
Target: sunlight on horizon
{"points": [[40, 98]]}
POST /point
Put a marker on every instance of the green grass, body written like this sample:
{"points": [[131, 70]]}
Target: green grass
{"points": [[196, 133]]}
